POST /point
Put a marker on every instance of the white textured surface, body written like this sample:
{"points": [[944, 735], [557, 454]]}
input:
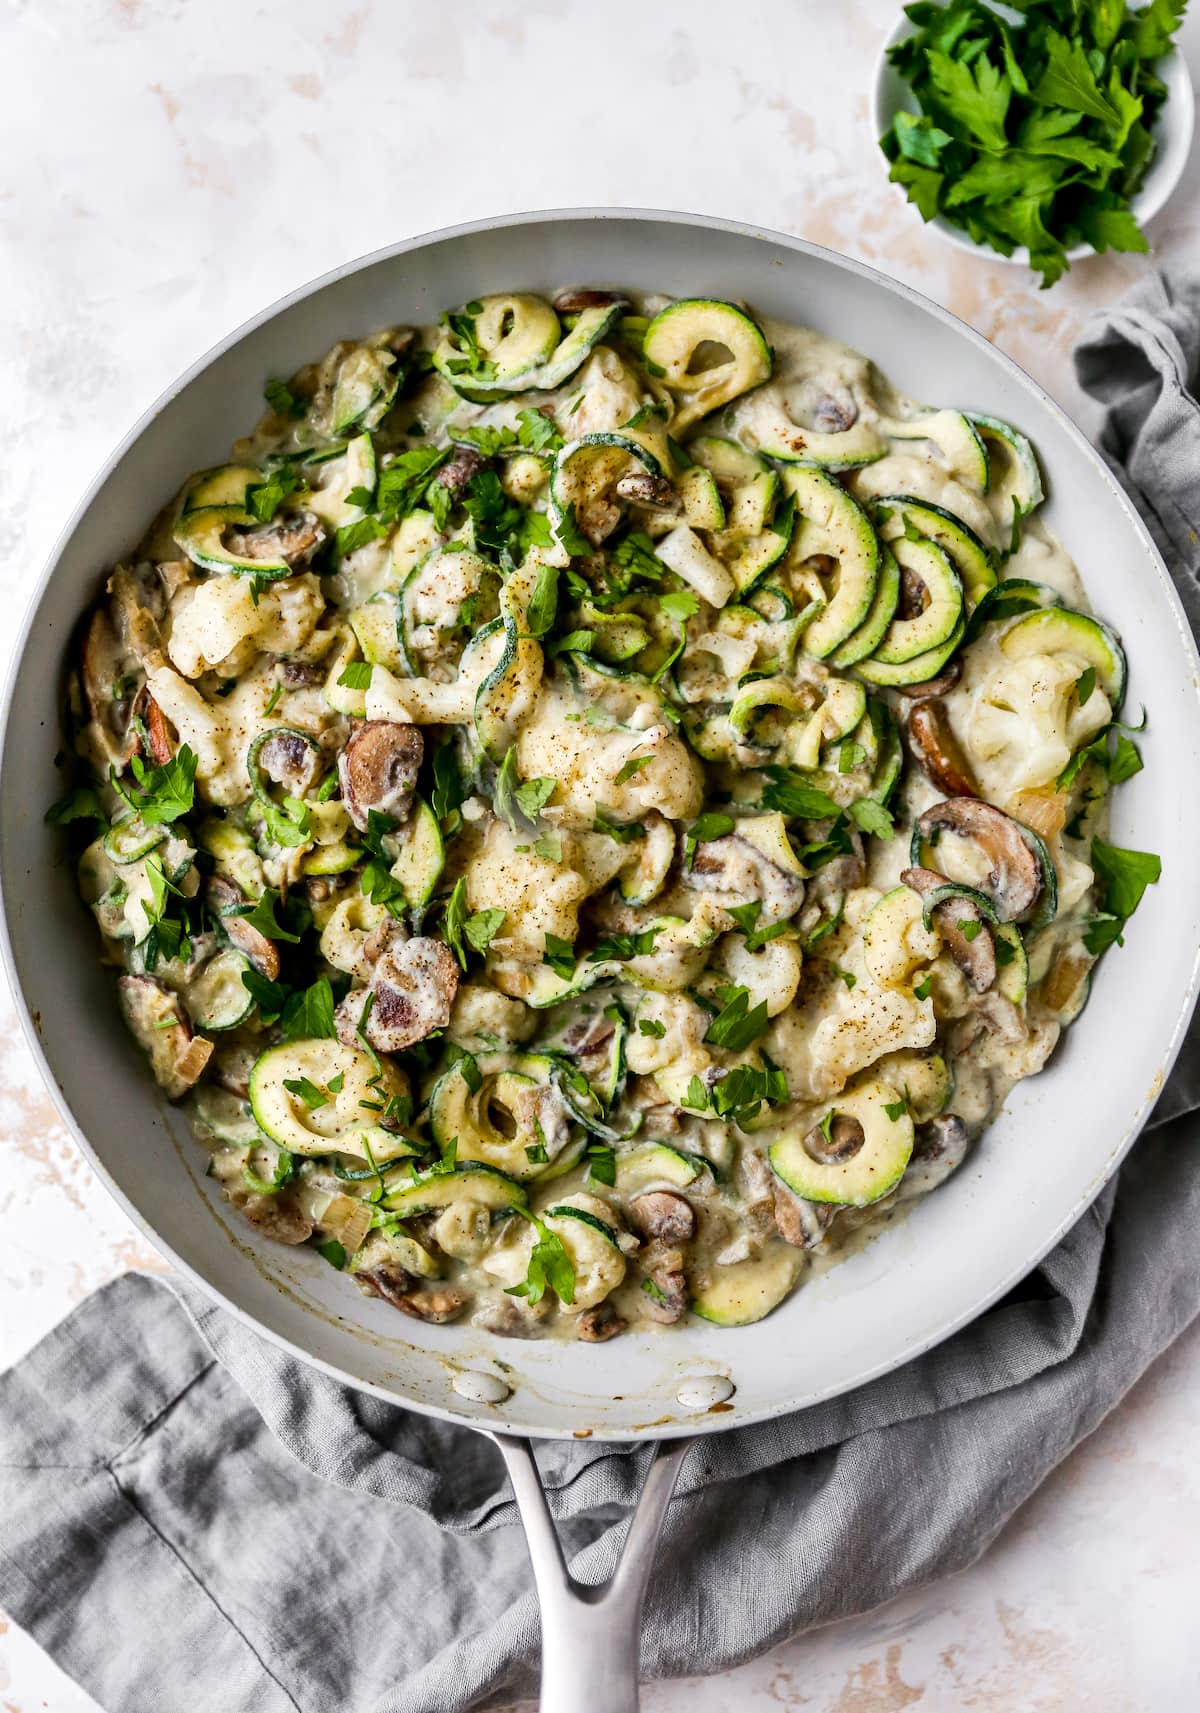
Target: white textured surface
{"points": [[167, 170]]}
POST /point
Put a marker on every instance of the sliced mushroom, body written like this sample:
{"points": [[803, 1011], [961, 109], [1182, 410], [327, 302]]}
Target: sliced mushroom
{"points": [[298, 674], [436, 1303], [801, 1223], [231, 1065], [223, 898], [276, 1217], [600, 1323], [643, 489], [940, 1148], [577, 298], [975, 954], [844, 1139], [735, 870], [1014, 881], [663, 1215], [663, 1263], [378, 769], [158, 732], [411, 992], [835, 412], [289, 759], [159, 1024], [382, 938], [938, 751], [935, 686], [293, 537], [458, 470], [1002, 1017]]}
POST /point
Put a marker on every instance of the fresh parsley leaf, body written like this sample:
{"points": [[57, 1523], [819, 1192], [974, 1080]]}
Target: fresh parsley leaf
{"points": [[308, 1014], [1124, 876], [923, 988], [570, 536], [549, 847], [1125, 760], [269, 996], [574, 642], [333, 1252], [977, 94], [919, 139], [543, 602], [969, 927], [532, 795], [793, 796], [704, 829], [162, 794], [872, 818], [624, 832], [450, 788], [307, 1091], [1085, 684], [735, 1026], [653, 1290], [560, 955], [549, 1265], [537, 433], [356, 675], [482, 927], [261, 915], [629, 768], [264, 499], [679, 604], [283, 401], [81, 804], [454, 921], [621, 947], [850, 756], [652, 1027], [601, 1163], [696, 1097], [1069, 81]]}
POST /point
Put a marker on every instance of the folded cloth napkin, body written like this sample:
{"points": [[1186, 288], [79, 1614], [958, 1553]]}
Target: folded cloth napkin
{"points": [[190, 1519]]}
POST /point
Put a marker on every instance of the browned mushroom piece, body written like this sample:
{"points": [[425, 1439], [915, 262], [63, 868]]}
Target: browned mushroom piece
{"points": [[934, 686], [663, 1215], [599, 1323], [578, 298], [939, 1148], [801, 1223], [1014, 881], [464, 463], [429, 1302], [382, 938], [666, 1301], [231, 1065], [159, 1024], [840, 1140], [223, 898], [974, 952], [736, 871], [276, 1217], [411, 993], [835, 412], [158, 732], [937, 750], [298, 674], [288, 758], [1002, 1017], [643, 489], [378, 769], [293, 537]]}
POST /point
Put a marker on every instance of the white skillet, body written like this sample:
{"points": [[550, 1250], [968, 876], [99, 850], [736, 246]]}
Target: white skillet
{"points": [[1060, 1137]]}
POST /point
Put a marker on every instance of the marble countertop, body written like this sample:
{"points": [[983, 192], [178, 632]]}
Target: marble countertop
{"points": [[168, 169]]}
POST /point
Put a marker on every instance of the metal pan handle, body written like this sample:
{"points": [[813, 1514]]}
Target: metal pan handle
{"points": [[591, 1635]]}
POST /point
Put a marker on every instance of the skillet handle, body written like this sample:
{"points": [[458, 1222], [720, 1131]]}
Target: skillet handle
{"points": [[591, 1634]]}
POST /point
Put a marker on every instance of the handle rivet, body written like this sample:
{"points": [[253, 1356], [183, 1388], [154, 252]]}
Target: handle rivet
{"points": [[480, 1388], [704, 1390]]}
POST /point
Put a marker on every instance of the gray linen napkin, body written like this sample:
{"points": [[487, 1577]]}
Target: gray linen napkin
{"points": [[190, 1519]]}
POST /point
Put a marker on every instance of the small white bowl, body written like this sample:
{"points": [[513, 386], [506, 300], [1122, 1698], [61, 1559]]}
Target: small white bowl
{"points": [[1172, 132]]}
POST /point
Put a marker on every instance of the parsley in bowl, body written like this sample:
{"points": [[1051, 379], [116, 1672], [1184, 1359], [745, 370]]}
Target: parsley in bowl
{"points": [[1045, 131]]}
